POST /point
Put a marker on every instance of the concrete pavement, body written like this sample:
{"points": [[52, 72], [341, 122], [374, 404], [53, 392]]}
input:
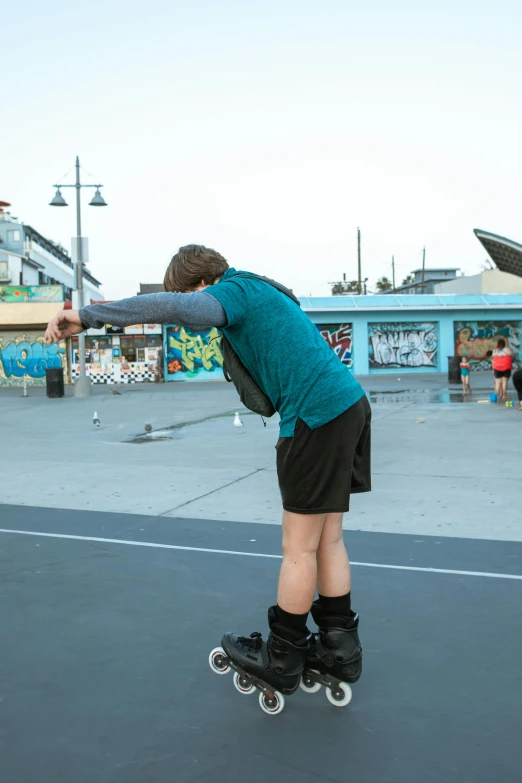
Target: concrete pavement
{"points": [[121, 566], [105, 640], [440, 468]]}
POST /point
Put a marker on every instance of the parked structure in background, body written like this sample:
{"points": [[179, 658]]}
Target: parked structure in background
{"points": [[27, 258], [151, 288], [414, 283]]}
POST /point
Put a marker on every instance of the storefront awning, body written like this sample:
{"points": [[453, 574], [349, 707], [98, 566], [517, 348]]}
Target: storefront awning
{"points": [[28, 314]]}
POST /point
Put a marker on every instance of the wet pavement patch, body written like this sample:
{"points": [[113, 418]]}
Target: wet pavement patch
{"points": [[171, 432], [419, 395]]}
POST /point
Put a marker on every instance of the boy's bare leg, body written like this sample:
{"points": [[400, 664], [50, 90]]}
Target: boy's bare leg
{"points": [[337, 622], [298, 576], [333, 566]]}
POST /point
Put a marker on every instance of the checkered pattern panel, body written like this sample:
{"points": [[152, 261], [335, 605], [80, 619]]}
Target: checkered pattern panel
{"points": [[109, 375]]}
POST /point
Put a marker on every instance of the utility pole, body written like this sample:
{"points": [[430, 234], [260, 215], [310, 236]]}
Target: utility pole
{"points": [[423, 268], [83, 384], [393, 272], [82, 387], [359, 273]]}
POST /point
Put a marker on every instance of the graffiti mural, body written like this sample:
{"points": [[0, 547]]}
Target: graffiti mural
{"points": [[339, 337], [475, 338], [31, 293], [27, 356], [403, 345], [192, 353]]}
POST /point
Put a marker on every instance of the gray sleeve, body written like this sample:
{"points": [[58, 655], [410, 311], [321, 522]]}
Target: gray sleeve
{"points": [[195, 309]]}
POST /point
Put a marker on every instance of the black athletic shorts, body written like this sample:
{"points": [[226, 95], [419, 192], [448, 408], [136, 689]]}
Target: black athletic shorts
{"points": [[319, 469], [502, 373]]}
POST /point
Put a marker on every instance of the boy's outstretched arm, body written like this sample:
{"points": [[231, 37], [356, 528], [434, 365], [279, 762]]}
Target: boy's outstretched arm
{"points": [[195, 309]]}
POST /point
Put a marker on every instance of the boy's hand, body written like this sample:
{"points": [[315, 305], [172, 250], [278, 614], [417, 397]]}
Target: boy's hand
{"points": [[65, 324]]}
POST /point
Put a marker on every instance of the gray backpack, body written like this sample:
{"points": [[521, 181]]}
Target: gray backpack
{"points": [[235, 371]]}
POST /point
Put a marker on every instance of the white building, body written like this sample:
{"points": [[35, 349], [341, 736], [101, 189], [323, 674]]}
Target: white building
{"points": [[28, 258], [491, 281]]}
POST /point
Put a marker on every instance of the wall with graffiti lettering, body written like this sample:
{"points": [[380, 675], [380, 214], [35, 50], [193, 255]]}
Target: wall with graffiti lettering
{"points": [[192, 354], [340, 338], [26, 356], [475, 338], [405, 345]]}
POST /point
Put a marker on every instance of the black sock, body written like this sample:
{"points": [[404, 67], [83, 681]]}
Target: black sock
{"points": [[296, 622], [338, 606]]}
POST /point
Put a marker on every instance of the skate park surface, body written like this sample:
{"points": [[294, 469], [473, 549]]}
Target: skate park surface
{"points": [[124, 558]]}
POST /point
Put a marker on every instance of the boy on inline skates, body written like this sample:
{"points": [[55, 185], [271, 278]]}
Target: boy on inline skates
{"points": [[323, 455]]}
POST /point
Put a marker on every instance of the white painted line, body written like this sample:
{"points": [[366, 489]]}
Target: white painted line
{"points": [[139, 543], [152, 545]]}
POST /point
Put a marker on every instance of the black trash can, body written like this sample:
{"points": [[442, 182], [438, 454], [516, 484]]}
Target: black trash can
{"points": [[454, 369], [54, 382]]}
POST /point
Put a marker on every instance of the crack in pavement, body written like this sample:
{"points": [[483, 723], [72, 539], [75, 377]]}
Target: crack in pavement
{"points": [[212, 491]]}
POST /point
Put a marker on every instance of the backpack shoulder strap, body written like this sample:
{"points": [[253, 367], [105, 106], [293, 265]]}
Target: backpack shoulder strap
{"points": [[278, 286]]}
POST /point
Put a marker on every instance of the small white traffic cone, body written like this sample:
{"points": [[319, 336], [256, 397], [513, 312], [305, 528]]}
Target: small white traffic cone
{"points": [[237, 421], [95, 420]]}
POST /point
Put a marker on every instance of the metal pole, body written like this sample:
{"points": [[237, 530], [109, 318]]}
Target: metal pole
{"points": [[423, 268], [359, 274], [82, 387], [393, 272]]}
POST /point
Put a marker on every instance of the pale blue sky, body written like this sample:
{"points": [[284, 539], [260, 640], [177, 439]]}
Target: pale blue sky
{"points": [[268, 130]]}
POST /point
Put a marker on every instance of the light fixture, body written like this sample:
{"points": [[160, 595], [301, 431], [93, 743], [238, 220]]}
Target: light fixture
{"points": [[98, 200], [58, 200]]}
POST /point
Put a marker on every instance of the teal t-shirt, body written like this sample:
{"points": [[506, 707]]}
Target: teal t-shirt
{"points": [[284, 353]]}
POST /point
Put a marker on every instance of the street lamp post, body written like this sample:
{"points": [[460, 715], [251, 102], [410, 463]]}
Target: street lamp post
{"points": [[82, 387]]}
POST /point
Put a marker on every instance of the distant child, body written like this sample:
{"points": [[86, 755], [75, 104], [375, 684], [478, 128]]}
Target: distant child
{"points": [[464, 375]]}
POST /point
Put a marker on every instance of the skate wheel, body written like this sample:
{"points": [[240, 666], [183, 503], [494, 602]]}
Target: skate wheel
{"points": [[339, 696], [308, 684], [218, 661], [273, 704], [243, 684]]}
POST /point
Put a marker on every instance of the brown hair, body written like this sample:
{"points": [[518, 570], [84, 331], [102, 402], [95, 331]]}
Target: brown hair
{"points": [[501, 344], [191, 265]]}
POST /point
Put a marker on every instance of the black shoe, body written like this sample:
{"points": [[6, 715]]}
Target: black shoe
{"points": [[277, 662], [336, 649]]}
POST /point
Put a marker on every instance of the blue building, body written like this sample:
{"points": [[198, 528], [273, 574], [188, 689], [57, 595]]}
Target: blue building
{"points": [[416, 333], [378, 334]]}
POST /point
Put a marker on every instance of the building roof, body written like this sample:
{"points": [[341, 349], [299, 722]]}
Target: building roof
{"points": [[54, 249], [436, 269], [151, 288], [57, 251], [413, 302], [506, 254]]}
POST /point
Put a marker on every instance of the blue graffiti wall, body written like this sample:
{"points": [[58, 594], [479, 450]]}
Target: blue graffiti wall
{"points": [[26, 356]]}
